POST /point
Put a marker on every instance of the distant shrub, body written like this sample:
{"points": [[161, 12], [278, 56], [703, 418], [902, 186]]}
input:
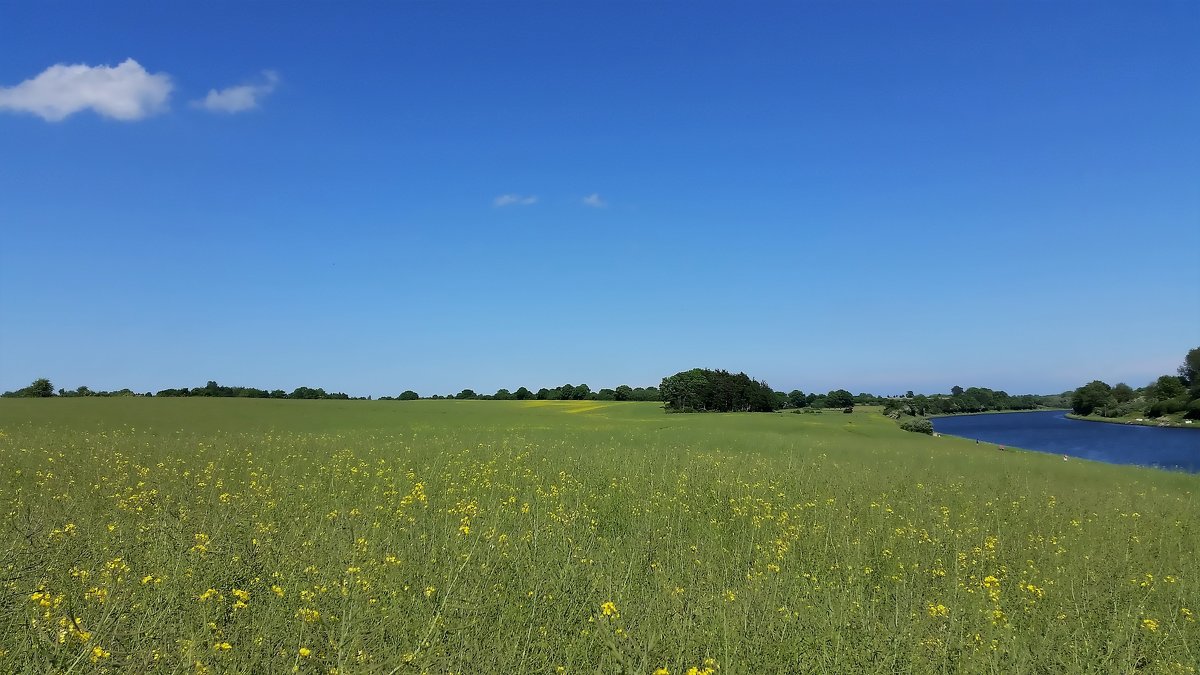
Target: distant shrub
{"points": [[1193, 410], [918, 425], [1168, 406], [1125, 409]]}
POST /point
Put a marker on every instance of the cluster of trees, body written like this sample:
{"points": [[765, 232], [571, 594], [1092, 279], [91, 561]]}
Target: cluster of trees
{"points": [[970, 400], [702, 390], [214, 390], [565, 392], [43, 388], [1169, 394]]}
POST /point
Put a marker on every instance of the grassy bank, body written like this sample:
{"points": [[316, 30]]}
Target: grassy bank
{"points": [[260, 536], [1176, 420]]}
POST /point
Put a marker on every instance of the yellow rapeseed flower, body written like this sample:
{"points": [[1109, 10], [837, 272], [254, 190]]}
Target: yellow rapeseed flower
{"points": [[305, 652], [609, 609], [1150, 625]]}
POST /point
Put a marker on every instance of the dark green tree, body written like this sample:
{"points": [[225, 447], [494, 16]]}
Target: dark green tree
{"points": [[1189, 370], [1095, 395], [704, 390], [408, 395], [1165, 387], [39, 388], [839, 398], [1123, 393]]}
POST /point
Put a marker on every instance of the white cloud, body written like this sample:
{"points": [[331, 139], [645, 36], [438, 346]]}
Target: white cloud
{"points": [[124, 92], [239, 98], [593, 200], [518, 200]]}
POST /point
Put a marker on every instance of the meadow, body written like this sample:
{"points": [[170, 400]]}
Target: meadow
{"points": [[261, 536]]}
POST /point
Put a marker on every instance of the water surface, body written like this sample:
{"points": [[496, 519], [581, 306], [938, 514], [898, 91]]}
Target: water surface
{"points": [[1051, 431]]}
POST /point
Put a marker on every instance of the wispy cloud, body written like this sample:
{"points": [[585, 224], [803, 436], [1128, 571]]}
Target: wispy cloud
{"points": [[593, 200], [515, 200], [124, 92], [240, 98]]}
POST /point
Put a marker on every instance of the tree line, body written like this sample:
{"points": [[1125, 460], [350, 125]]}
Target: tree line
{"points": [[564, 392], [43, 388], [969, 400], [706, 390], [695, 390], [1167, 395]]}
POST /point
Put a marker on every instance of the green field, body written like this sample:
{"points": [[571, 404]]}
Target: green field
{"points": [[262, 536]]}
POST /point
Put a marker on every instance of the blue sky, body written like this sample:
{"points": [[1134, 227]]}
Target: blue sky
{"points": [[375, 197]]}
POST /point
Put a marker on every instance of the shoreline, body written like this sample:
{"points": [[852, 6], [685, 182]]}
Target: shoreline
{"points": [[1144, 423], [996, 412]]}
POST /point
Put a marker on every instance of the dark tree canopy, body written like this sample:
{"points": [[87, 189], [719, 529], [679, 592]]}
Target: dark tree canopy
{"points": [[839, 398], [1092, 396], [797, 399], [39, 388], [702, 390], [1165, 387], [1189, 370]]}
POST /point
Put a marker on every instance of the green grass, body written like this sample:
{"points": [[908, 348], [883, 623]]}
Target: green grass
{"points": [[1173, 420], [259, 536]]}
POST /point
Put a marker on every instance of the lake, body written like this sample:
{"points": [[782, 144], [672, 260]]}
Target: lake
{"points": [[1051, 431]]}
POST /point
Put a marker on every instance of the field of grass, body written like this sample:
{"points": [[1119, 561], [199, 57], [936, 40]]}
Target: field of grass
{"points": [[260, 536]]}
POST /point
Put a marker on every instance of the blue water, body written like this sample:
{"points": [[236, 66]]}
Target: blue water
{"points": [[1051, 431]]}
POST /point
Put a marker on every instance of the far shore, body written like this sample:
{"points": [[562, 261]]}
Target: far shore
{"points": [[1141, 422], [997, 412]]}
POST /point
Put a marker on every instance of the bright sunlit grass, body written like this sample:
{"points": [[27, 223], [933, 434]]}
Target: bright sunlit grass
{"points": [[210, 536]]}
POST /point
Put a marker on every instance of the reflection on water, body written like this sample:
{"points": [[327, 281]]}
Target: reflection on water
{"points": [[1051, 431]]}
